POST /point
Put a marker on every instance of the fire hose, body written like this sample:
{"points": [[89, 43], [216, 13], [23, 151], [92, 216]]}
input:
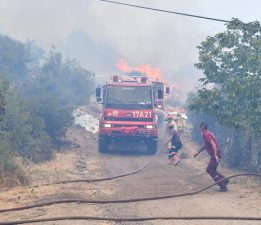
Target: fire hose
{"points": [[107, 178], [114, 219], [90, 180], [125, 200], [101, 179]]}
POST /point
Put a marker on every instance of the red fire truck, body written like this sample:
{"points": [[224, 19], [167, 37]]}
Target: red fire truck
{"points": [[128, 112]]}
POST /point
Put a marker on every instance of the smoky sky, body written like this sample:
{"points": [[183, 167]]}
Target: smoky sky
{"points": [[99, 34]]}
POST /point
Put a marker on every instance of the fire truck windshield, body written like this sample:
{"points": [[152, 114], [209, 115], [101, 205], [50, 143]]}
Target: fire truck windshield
{"points": [[129, 97]]}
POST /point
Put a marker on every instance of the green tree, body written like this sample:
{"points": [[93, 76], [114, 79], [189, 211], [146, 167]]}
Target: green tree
{"points": [[5, 153], [57, 88], [4, 86], [36, 109], [231, 86], [25, 130], [231, 63], [72, 84], [13, 59]]}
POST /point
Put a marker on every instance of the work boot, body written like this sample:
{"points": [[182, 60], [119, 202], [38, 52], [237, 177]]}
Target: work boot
{"points": [[173, 159], [172, 155], [223, 189], [176, 160]]}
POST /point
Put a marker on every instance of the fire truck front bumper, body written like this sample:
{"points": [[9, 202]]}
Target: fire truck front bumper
{"points": [[131, 134]]}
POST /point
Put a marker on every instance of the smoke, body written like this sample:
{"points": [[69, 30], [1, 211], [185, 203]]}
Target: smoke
{"points": [[147, 38], [99, 34], [142, 37]]}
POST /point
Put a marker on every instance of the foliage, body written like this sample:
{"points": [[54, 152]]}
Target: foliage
{"points": [[240, 150], [231, 63], [13, 59], [231, 87], [4, 86], [25, 130], [5, 148], [58, 87], [37, 95], [56, 117], [68, 80]]}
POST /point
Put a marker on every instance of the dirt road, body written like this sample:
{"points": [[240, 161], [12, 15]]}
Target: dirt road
{"points": [[82, 160]]}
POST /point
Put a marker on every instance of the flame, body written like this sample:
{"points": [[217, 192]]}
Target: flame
{"points": [[146, 69], [123, 66]]}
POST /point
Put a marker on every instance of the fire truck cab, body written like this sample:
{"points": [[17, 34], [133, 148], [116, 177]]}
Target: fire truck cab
{"points": [[160, 88], [128, 112]]}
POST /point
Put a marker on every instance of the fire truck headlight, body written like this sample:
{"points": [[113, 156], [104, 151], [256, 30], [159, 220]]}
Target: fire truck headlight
{"points": [[149, 126], [107, 125]]}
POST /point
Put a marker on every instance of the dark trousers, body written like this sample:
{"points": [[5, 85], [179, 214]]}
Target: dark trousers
{"points": [[212, 171], [177, 145], [174, 149]]}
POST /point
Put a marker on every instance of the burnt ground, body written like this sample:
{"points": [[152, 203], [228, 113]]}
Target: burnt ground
{"points": [[82, 160]]}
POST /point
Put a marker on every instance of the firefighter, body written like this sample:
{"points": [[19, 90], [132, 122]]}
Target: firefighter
{"points": [[174, 143], [180, 124], [213, 149]]}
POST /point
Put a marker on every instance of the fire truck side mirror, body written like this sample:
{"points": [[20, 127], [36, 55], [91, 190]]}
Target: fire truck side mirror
{"points": [[98, 95], [167, 90], [160, 94], [98, 92]]}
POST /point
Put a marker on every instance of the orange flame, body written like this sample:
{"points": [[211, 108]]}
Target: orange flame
{"points": [[123, 66]]}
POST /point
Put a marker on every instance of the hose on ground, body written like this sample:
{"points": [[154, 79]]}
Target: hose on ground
{"points": [[106, 178], [112, 177], [123, 200], [90, 180], [114, 219]]}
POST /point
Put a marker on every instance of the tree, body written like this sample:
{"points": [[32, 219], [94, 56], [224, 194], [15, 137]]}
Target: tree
{"points": [[231, 63], [231, 86], [13, 59], [67, 80], [24, 130], [4, 86], [57, 88], [5, 153], [37, 95]]}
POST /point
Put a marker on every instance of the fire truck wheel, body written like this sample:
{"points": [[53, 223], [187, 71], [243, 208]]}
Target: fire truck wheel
{"points": [[152, 147], [103, 145]]}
